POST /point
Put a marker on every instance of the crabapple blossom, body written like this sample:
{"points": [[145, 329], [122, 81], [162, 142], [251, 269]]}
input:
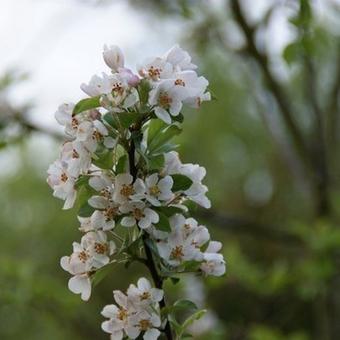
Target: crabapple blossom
{"points": [[113, 57], [213, 262], [91, 253], [144, 322], [183, 242], [139, 214], [98, 85], [167, 99], [62, 183], [118, 167], [155, 69], [197, 191], [124, 188], [155, 189], [135, 312], [77, 157], [179, 59], [143, 293]]}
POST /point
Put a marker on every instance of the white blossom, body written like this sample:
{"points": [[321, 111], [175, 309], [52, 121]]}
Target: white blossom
{"points": [[144, 322], [166, 98], [139, 214], [143, 294], [118, 316], [155, 189], [91, 253], [104, 218], [125, 189], [135, 313], [197, 191], [192, 85], [77, 157], [213, 262], [98, 85], [155, 69], [113, 57], [62, 183], [184, 241], [179, 59]]}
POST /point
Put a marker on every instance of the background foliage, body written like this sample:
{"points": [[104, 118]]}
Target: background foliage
{"points": [[275, 203]]}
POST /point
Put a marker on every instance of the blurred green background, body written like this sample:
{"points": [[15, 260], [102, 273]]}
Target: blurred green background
{"points": [[275, 190]]}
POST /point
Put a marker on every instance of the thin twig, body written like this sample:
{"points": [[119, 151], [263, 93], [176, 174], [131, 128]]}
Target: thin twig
{"points": [[273, 86]]}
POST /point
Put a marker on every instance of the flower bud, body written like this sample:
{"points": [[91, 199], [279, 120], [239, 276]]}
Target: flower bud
{"points": [[113, 57]]}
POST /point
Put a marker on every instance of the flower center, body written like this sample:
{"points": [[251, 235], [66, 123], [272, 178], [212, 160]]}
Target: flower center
{"points": [[164, 100], [100, 248], [154, 72], [177, 252], [97, 135], [154, 190], [127, 190], [144, 325], [138, 214], [179, 82], [83, 256], [110, 213], [75, 154], [74, 123], [105, 192], [63, 177], [122, 314], [144, 296], [118, 88]]}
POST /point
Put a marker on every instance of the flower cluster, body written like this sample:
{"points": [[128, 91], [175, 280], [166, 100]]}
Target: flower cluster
{"points": [[118, 167], [136, 312]]}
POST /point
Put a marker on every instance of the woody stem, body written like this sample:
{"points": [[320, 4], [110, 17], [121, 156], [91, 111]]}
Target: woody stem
{"points": [[150, 263]]}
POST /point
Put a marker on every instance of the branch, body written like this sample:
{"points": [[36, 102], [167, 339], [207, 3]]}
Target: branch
{"points": [[150, 263], [322, 174], [273, 85], [332, 106], [240, 225]]}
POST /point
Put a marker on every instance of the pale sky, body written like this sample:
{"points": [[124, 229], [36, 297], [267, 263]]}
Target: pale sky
{"points": [[59, 43]]}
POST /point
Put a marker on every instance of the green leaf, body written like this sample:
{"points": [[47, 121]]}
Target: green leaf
{"points": [[100, 274], [105, 158], [185, 304], [154, 128], [175, 280], [121, 164], [132, 248], [86, 104], [169, 211], [179, 305], [108, 117], [181, 182], [82, 180], [163, 137], [86, 210], [163, 223], [292, 52], [128, 118], [156, 162], [83, 194], [175, 325], [191, 266], [191, 319], [144, 88], [179, 118]]}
